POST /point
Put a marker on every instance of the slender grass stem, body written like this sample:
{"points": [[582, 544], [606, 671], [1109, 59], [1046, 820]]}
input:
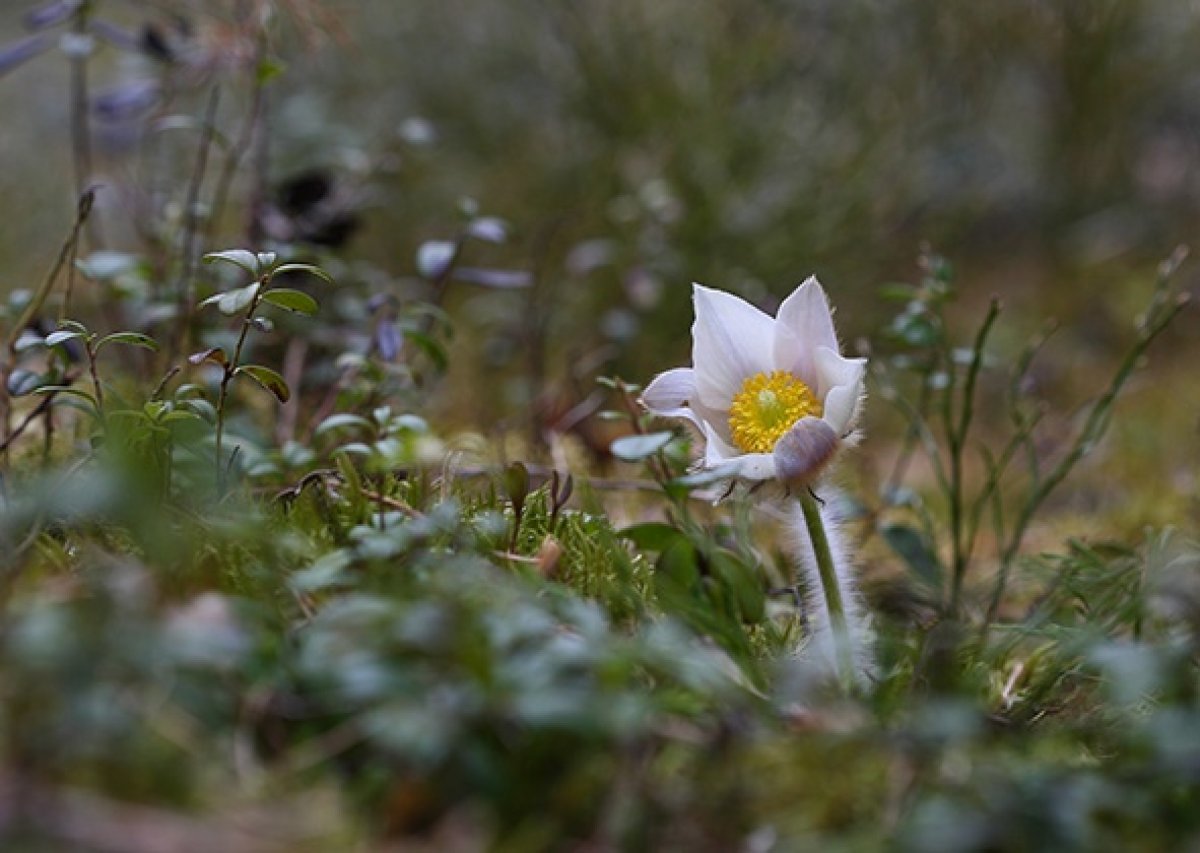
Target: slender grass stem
{"points": [[1158, 318], [957, 436], [185, 287], [81, 128]]}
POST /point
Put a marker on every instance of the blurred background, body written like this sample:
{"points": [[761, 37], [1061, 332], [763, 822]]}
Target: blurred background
{"points": [[1049, 149], [514, 199]]}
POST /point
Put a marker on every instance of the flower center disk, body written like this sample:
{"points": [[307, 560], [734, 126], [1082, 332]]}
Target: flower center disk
{"points": [[766, 407]]}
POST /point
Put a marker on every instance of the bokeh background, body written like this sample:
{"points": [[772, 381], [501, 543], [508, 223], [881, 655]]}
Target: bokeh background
{"points": [[1048, 149]]}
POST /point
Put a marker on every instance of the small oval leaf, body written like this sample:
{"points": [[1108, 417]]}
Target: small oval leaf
{"points": [[434, 257], [342, 420], [516, 485], [61, 337], [913, 548], [238, 257], [136, 339], [308, 268], [267, 378], [291, 300], [22, 382], [651, 536], [213, 354], [635, 448], [236, 301]]}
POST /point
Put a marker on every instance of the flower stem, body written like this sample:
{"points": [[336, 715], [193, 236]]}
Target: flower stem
{"points": [[227, 376], [829, 585]]}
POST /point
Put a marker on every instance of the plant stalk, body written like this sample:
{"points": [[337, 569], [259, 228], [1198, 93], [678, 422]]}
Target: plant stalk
{"points": [[227, 377], [832, 591]]}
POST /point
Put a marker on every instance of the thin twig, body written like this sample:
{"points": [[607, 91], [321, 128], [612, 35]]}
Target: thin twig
{"points": [[957, 438], [81, 131], [83, 210], [185, 285], [237, 151]]}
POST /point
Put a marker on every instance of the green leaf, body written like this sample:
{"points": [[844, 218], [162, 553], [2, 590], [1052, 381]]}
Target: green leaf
{"points": [[62, 336], [68, 391], [743, 585], [677, 568], [179, 415], [651, 536], [354, 448], [516, 485], [268, 69], [635, 448], [105, 265], [340, 421], [431, 348], [291, 300], [22, 382], [202, 408], [434, 258], [311, 269], [213, 354], [241, 258], [897, 292], [267, 378], [915, 550], [237, 300], [329, 570], [136, 339], [28, 340]]}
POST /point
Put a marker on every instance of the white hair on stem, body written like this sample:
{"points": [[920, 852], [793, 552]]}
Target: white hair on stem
{"points": [[822, 648]]}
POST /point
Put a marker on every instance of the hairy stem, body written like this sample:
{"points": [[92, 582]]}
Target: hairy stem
{"points": [[832, 592]]}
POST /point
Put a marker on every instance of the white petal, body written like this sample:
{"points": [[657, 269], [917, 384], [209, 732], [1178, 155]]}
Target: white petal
{"points": [[668, 394], [747, 466], [756, 466], [731, 341], [840, 383], [802, 326], [717, 451], [716, 418]]}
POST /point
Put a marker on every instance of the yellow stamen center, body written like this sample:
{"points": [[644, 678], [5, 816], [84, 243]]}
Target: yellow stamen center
{"points": [[769, 405]]}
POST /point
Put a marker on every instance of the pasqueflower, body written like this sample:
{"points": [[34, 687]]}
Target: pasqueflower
{"points": [[773, 397]]}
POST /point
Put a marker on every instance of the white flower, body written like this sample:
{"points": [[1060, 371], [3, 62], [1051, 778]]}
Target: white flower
{"points": [[773, 397]]}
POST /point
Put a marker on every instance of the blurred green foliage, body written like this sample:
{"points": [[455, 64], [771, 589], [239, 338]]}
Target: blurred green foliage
{"points": [[403, 588]]}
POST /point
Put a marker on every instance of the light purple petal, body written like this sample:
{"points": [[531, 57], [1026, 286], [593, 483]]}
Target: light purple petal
{"points": [[804, 451], [840, 381], [731, 341], [803, 325], [668, 394]]}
